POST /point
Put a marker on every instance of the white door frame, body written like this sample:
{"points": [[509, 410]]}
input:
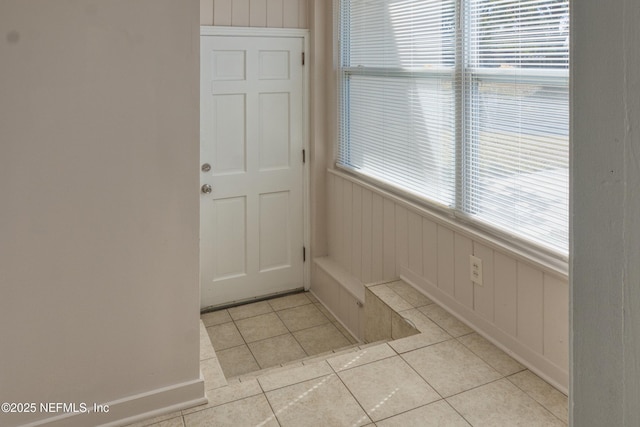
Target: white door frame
{"points": [[304, 35]]}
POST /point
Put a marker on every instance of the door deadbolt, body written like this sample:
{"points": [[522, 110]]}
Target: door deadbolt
{"points": [[206, 167], [206, 189]]}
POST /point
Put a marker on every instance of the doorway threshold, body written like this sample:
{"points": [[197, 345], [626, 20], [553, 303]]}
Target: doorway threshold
{"points": [[252, 300]]}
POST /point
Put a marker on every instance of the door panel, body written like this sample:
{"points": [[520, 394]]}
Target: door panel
{"points": [[229, 137], [228, 65], [275, 245], [275, 145], [274, 65], [252, 136], [229, 219]]}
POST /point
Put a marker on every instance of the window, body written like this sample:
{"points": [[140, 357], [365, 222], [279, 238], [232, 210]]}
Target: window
{"points": [[464, 104]]}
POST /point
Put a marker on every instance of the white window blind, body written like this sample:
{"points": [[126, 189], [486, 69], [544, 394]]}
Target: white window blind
{"points": [[463, 103], [398, 94]]}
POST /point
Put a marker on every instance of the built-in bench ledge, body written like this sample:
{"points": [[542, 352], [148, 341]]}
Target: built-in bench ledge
{"points": [[392, 311], [381, 311], [341, 293], [342, 276]]}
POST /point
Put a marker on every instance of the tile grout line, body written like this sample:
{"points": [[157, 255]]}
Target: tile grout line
{"points": [[264, 393], [244, 340], [322, 378], [222, 349], [296, 382], [252, 316], [418, 373], [268, 338], [495, 381], [293, 306], [335, 322], [366, 413], [323, 324], [303, 329], [246, 343], [473, 388], [385, 358], [367, 363], [528, 394], [413, 409], [338, 323], [457, 412], [293, 335], [486, 361], [254, 356], [300, 344]]}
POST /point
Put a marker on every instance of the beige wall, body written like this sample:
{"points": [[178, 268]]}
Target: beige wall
{"points": [[321, 110], [255, 13], [99, 219]]}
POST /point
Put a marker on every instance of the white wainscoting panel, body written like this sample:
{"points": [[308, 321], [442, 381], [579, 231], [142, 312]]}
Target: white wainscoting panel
{"points": [[429, 250], [367, 236], [505, 292], [389, 239], [446, 260], [414, 240], [254, 13], [483, 295], [463, 287], [530, 307], [521, 306]]}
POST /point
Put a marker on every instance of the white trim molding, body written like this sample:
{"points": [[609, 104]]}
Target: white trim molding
{"points": [[135, 408], [553, 374], [253, 32]]}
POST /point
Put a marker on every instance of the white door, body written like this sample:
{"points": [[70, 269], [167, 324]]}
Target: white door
{"points": [[251, 125]]}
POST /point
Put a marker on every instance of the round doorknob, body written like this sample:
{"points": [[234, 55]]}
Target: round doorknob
{"points": [[206, 189]]}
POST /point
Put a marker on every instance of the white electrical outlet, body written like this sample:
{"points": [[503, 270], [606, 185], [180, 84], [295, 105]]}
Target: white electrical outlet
{"points": [[475, 269]]}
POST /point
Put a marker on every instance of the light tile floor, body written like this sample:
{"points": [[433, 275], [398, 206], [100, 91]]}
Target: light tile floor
{"points": [[444, 376], [274, 332]]}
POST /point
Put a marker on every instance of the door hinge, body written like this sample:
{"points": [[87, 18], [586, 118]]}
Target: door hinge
{"points": [[304, 254], [303, 157], [302, 58]]}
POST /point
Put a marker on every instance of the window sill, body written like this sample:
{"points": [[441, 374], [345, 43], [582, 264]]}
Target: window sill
{"points": [[550, 263]]}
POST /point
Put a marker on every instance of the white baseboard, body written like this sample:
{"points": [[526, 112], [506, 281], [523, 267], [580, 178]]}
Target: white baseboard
{"points": [[534, 361], [134, 408]]}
